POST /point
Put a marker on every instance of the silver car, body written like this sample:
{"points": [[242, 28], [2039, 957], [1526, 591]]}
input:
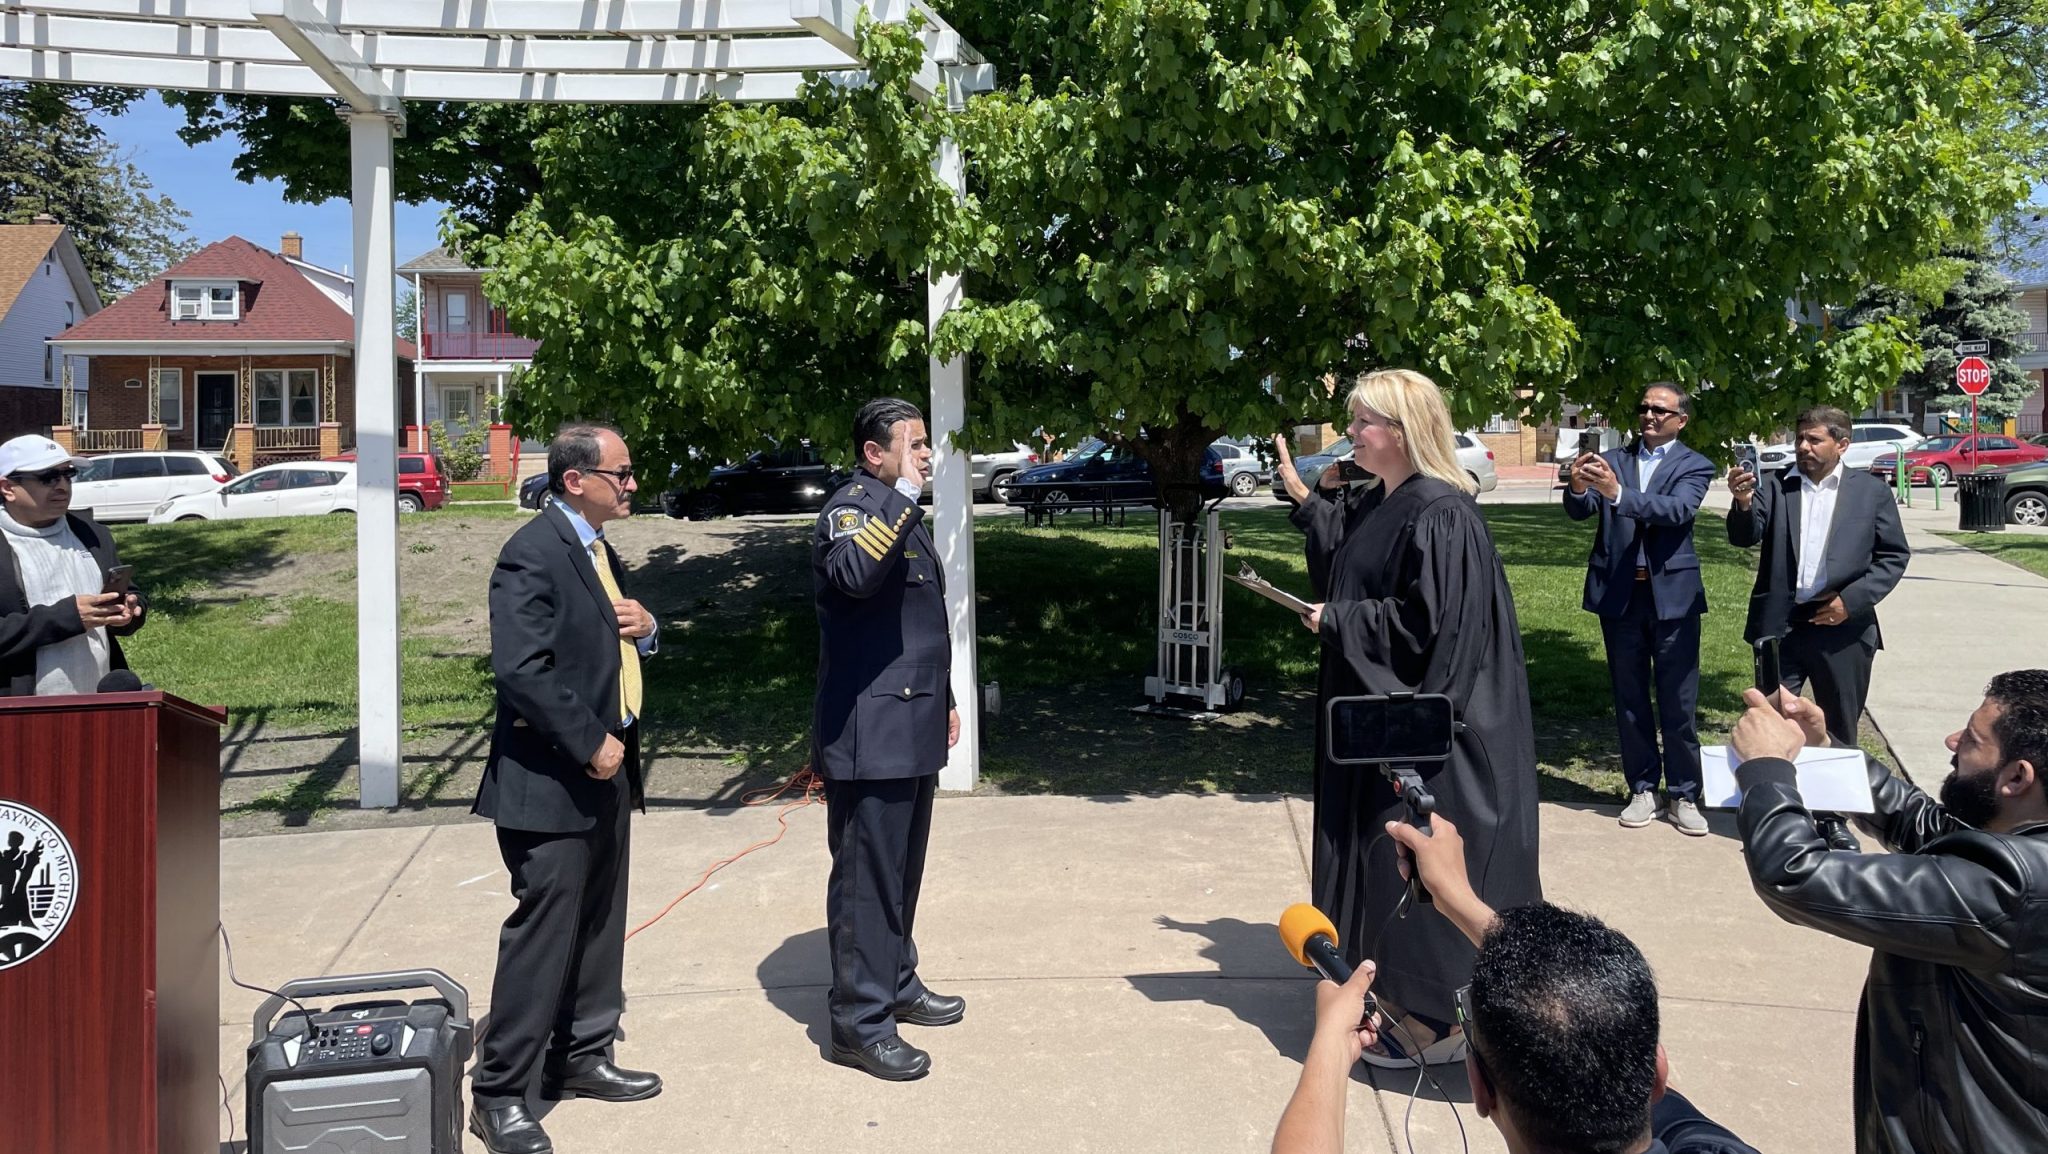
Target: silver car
{"points": [[989, 473]]}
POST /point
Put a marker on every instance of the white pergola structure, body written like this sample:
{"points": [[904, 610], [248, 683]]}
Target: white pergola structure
{"points": [[375, 54]]}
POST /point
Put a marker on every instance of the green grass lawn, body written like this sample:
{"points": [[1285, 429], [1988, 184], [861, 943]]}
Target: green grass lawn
{"points": [[1065, 621], [2026, 550]]}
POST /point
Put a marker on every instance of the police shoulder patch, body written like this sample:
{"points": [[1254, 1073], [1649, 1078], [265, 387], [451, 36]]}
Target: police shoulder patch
{"points": [[845, 521]]}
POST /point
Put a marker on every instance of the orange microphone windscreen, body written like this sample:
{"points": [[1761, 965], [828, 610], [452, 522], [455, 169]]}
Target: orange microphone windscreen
{"points": [[1301, 922]]}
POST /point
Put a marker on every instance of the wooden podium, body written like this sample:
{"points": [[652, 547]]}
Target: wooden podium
{"points": [[109, 1003]]}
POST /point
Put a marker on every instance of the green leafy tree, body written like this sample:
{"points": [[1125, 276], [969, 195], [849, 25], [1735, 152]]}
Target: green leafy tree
{"points": [[1979, 304], [54, 159], [408, 314]]}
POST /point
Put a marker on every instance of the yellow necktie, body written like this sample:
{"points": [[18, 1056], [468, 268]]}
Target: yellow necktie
{"points": [[629, 653]]}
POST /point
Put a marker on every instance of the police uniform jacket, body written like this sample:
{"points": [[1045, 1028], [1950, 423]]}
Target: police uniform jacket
{"points": [[884, 654]]}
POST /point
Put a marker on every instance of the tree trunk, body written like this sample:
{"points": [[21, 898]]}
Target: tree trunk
{"points": [[1176, 453]]}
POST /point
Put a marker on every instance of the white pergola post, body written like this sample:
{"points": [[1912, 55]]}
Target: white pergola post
{"points": [[953, 505], [377, 603]]}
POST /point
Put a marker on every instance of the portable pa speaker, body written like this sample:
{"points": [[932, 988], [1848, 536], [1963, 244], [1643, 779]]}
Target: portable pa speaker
{"points": [[362, 1077]]}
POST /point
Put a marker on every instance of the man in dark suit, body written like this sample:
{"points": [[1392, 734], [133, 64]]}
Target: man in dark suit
{"points": [[562, 779], [60, 625], [1832, 549], [1643, 579], [882, 723]]}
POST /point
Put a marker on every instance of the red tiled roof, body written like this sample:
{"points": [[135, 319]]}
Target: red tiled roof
{"points": [[278, 304]]}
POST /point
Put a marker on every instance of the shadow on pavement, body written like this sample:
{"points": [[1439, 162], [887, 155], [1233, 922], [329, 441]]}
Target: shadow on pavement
{"points": [[1254, 979]]}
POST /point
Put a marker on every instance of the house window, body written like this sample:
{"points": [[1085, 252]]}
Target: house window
{"points": [[205, 302], [458, 407], [287, 397], [455, 310], [170, 391], [49, 363], [78, 420], [70, 314]]}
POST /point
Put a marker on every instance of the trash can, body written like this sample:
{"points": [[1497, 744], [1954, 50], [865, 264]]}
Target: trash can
{"points": [[1982, 498]]}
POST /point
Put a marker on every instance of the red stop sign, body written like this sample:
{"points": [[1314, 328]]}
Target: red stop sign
{"points": [[1973, 375]]}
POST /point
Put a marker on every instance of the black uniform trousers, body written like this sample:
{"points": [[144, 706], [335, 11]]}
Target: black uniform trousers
{"points": [[1643, 651], [1837, 660], [877, 832], [558, 993]]}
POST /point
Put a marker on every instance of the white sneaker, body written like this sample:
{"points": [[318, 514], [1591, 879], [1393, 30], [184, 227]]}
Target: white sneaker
{"points": [[1687, 817], [1640, 811]]}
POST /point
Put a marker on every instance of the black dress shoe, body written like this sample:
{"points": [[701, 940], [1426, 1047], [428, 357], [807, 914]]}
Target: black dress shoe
{"points": [[891, 1059], [932, 1010], [1838, 836], [603, 1082], [509, 1130]]}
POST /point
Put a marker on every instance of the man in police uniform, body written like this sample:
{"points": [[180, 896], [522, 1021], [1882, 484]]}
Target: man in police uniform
{"points": [[882, 723]]}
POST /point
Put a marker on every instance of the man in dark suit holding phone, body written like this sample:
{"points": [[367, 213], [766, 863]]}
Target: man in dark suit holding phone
{"points": [[1833, 548], [1643, 580], [562, 779]]}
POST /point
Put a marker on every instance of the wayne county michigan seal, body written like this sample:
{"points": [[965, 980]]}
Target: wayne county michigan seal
{"points": [[38, 883]]}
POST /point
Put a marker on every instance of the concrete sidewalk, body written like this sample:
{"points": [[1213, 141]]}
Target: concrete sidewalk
{"points": [[1127, 989]]}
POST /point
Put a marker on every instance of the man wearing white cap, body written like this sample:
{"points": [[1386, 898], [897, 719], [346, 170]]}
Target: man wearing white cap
{"points": [[59, 626]]}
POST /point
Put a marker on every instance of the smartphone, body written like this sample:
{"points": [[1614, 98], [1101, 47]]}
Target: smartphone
{"points": [[1770, 678], [120, 579], [1349, 472], [1745, 459], [1379, 730]]}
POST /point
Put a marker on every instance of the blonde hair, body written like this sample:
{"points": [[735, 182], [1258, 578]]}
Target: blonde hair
{"points": [[1416, 406]]}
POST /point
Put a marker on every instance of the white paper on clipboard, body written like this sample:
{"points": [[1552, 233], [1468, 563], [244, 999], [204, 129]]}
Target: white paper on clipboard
{"points": [[1259, 585]]}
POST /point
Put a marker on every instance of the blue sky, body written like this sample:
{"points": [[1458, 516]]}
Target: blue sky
{"points": [[202, 181]]}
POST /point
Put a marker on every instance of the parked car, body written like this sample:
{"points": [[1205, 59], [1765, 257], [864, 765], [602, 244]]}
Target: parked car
{"points": [[988, 474], [1473, 455], [1096, 472], [286, 489], [126, 486], [422, 480], [1243, 470], [792, 479], [2026, 493], [1868, 440], [533, 492], [1939, 459]]}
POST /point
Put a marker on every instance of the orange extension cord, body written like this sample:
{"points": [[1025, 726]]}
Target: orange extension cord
{"points": [[813, 791]]}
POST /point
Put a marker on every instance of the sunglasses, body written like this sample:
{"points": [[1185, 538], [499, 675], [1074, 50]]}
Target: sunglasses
{"points": [[47, 477], [1464, 1002], [1660, 411]]}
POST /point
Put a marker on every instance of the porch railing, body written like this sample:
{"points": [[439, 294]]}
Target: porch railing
{"points": [[109, 440], [476, 346]]}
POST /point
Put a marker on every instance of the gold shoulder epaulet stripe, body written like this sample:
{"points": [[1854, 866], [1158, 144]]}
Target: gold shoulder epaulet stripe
{"points": [[872, 540], [883, 533], [868, 546]]}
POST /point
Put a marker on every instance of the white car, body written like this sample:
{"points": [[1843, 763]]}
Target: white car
{"points": [[126, 486], [1868, 440], [1478, 461], [288, 489]]}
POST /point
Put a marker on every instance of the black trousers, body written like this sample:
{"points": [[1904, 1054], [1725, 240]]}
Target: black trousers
{"points": [[558, 994], [1837, 661], [1643, 651], [877, 832]]}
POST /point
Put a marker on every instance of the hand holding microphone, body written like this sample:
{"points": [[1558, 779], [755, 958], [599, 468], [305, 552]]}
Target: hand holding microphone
{"points": [[1347, 1015]]}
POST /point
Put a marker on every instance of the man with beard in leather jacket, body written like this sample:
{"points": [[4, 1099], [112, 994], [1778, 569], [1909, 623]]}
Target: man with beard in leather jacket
{"points": [[1952, 1034]]}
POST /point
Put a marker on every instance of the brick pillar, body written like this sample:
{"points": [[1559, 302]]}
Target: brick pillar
{"points": [[330, 438], [242, 447], [65, 438], [153, 438], [501, 452]]}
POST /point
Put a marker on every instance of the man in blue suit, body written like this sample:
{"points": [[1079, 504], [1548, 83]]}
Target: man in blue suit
{"points": [[1643, 579]]}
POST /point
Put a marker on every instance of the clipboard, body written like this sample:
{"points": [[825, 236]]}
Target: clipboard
{"points": [[1248, 578]]}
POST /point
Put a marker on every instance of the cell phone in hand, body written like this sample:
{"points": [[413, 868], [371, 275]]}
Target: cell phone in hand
{"points": [[1770, 678], [1745, 459], [120, 579], [1349, 472]]}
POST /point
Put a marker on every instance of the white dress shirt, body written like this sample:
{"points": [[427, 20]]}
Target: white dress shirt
{"points": [[1647, 461], [590, 536], [1816, 518]]}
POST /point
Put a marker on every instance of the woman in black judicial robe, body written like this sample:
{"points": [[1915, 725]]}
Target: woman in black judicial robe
{"points": [[1414, 599]]}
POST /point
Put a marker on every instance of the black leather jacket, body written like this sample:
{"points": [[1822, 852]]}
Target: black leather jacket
{"points": [[1952, 1034]]}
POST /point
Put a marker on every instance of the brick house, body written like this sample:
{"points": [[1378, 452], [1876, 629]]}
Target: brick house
{"points": [[468, 358], [44, 290], [236, 349]]}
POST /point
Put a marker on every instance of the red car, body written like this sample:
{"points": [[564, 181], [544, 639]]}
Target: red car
{"points": [[422, 480], [1939, 459]]}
